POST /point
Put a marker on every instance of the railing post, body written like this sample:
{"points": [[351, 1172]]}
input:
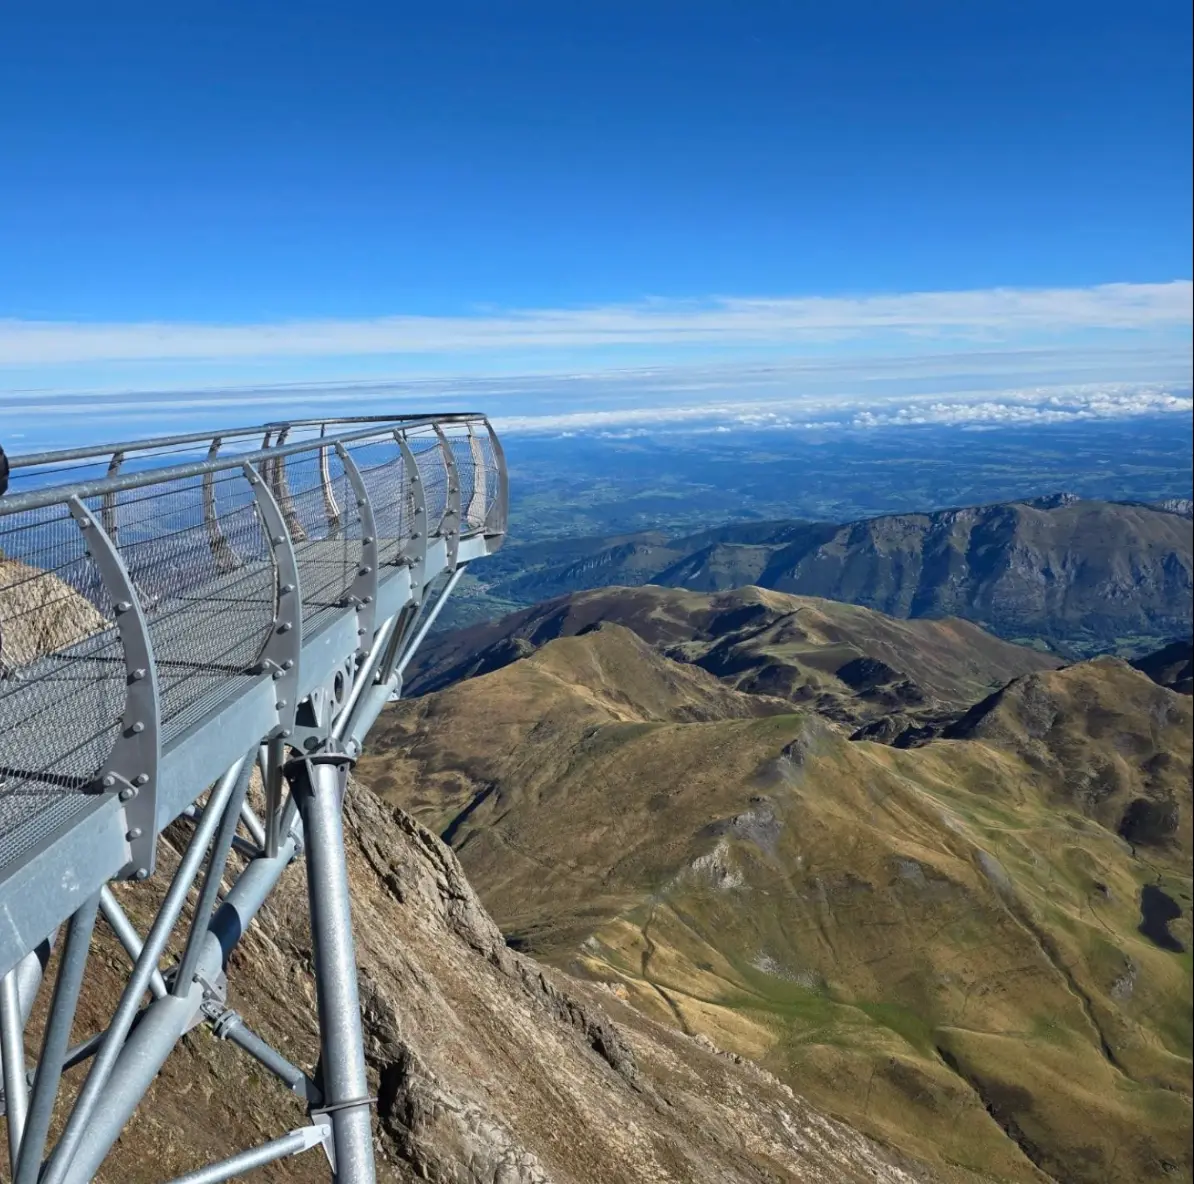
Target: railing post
{"points": [[280, 488], [363, 590], [331, 507], [474, 512], [450, 527], [416, 549], [108, 503], [497, 516], [221, 551], [131, 770], [280, 654]]}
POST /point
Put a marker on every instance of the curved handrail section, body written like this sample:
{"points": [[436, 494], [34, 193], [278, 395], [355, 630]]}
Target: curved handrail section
{"points": [[160, 616]]}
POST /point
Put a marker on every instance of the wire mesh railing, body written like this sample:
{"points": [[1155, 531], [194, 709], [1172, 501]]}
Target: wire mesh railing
{"points": [[193, 549]]}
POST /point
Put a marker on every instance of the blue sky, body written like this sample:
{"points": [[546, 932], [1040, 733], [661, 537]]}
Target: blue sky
{"points": [[233, 194]]}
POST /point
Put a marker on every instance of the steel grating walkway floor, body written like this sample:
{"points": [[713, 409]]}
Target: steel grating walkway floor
{"points": [[60, 714]]}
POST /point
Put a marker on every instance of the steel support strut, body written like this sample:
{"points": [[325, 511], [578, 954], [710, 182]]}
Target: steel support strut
{"points": [[317, 782]]}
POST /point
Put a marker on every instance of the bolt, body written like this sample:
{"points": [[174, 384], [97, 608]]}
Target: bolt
{"points": [[278, 539], [135, 833], [415, 479], [277, 675], [285, 627], [285, 733], [288, 664], [141, 779], [367, 600], [123, 606], [361, 501], [127, 794], [138, 675], [366, 570], [137, 727], [108, 781], [367, 539], [142, 873], [287, 588], [281, 704]]}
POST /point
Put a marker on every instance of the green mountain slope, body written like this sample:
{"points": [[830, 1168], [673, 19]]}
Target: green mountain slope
{"points": [[967, 949]]}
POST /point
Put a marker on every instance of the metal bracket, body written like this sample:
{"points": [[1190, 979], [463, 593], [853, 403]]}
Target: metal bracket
{"points": [[131, 769], [363, 589], [280, 654], [320, 706], [450, 527], [416, 550]]}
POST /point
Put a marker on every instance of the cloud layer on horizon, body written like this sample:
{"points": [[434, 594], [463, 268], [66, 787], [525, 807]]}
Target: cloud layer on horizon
{"points": [[980, 315]]}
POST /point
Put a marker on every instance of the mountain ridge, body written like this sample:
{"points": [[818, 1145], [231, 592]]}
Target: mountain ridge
{"points": [[1078, 575]]}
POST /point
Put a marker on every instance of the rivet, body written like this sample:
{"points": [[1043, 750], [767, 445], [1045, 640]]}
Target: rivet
{"points": [[123, 606], [138, 727], [367, 539], [366, 570], [127, 794], [135, 833], [278, 539], [287, 588], [141, 779], [361, 501], [281, 704], [138, 675], [285, 627], [285, 733]]}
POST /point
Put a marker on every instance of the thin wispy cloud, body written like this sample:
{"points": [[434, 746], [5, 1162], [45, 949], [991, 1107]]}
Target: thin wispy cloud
{"points": [[977, 315]]}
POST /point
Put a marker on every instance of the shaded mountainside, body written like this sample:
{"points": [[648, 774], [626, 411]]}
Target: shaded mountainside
{"points": [[1080, 575], [1171, 666], [488, 1067], [977, 950], [850, 663]]}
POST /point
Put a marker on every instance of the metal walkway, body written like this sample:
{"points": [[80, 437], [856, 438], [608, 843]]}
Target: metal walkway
{"points": [[175, 613]]}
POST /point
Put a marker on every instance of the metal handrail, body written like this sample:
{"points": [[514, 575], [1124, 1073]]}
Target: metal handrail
{"points": [[32, 459], [53, 494]]}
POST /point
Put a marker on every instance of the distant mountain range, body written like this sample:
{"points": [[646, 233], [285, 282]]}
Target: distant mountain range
{"points": [[1074, 575], [972, 943]]}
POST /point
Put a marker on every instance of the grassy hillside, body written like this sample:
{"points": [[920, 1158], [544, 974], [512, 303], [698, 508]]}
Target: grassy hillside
{"points": [[944, 945]]}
